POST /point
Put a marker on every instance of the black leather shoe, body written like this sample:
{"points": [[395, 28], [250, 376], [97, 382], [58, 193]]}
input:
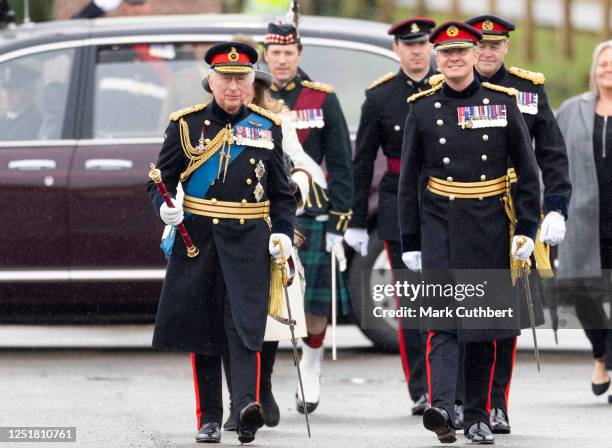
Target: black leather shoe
{"points": [[458, 421], [600, 389], [480, 434], [251, 419], [499, 422], [420, 405], [438, 421], [271, 413], [299, 405], [209, 433]]}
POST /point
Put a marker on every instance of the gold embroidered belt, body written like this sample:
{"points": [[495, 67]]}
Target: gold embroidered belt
{"points": [[224, 209], [467, 190], [512, 175]]}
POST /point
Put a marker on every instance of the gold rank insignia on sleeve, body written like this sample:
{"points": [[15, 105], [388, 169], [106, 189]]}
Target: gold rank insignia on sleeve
{"points": [[265, 113], [383, 79], [534, 77], [316, 85], [186, 111], [425, 93], [436, 79], [507, 90]]}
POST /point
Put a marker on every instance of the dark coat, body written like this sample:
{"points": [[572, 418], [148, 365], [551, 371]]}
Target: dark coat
{"points": [[24, 127], [464, 233], [234, 263], [381, 125]]}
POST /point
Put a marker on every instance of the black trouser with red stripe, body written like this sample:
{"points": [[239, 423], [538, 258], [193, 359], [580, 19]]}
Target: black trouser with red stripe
{"points": [[411, 341], [442, 357], [505, 352], [244, 374]]}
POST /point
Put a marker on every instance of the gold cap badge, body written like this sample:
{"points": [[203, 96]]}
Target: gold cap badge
{"points": [[414, 28], [452, 31], [233, 55], [487, 25]]}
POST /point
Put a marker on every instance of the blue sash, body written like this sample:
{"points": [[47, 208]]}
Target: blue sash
{"points": [[201, 180]]}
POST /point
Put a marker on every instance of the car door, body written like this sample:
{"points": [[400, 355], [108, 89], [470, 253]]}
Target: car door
{"points": [[36, 149]]}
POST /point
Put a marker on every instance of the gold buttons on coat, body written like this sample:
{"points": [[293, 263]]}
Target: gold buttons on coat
{"points": [[249, 181], [213, 200], [442, 141], [397, 127], [446, 160], [485, 101], [437, 105], [485, 138], [439, 122], [484, 157], [449, 179], [215, 221], [207, 122], [451, 198], [483, 177], [241, 220], [252, 161], [244, 201]]}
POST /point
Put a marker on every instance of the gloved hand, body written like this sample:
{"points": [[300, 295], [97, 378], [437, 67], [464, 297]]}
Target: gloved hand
{"points": [[522, 247], [553, 228], [171, 216], [331, 239], [107, 5], [358, 239], [275, 249], [412, 260]]}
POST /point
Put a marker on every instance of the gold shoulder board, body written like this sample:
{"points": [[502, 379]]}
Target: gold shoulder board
{"points": [[266, 113], [507, 90], [186, 111], [436, 79], [425, 93], [383, 79], [315, 85], [534, 77]]}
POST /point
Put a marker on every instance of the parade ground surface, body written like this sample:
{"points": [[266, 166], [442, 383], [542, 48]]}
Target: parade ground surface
{"points": [[136, 397]]}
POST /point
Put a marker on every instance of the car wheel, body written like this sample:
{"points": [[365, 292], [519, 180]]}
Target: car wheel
{"points": [[377, 270]]}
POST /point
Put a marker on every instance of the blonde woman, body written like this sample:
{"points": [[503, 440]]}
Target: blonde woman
{"points": [[585, 257]]}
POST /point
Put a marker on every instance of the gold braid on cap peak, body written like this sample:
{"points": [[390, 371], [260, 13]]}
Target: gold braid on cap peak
{"points": [[316, 85], [425, 93], [383, 79], [507, 90], [186, 111], [266, 113], [534, 77]]}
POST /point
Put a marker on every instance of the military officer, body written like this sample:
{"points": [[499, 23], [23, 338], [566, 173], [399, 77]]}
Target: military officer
{"points": [[459, 136], [21, 117], [551, 156], [237, 204], [324, 135], [383, 115]]}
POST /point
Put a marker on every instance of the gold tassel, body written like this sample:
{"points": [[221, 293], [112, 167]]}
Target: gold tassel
{"points": [[275, 303]]}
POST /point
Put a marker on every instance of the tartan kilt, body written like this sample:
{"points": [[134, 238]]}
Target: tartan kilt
{"points": [[317, 271]]}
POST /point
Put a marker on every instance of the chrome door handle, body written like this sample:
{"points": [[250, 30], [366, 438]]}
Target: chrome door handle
{"points": [[32, 165], [108, 164]]}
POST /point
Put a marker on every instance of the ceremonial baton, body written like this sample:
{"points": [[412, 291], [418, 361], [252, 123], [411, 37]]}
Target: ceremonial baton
{"points": [[155, 175], [283, 267], [524, 268]]}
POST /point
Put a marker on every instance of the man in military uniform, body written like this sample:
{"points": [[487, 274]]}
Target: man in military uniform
{"points": [[383, 115], [323, 133], [551, 156], [20, 117], [237, 205], [459, 136]]}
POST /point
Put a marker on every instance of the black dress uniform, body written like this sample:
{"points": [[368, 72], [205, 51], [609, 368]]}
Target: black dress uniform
{"points": [[456, 138], [551, 156], [236, 194], [383, 115]]}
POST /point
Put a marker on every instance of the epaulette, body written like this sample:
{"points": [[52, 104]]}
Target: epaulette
{"points": [[425, 93], [266, 113], [186, 111], [436, 79], [507, 90], [534, 77], [383, 79], [316, 85]]}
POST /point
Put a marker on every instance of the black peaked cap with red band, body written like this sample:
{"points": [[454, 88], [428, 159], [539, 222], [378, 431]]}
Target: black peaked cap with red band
{"points": [[492, 27], [281, 34], [412, 30], [454, 34], [231, 57]]}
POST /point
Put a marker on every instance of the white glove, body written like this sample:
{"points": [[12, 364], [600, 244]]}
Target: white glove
{"points": [[171, 216], [358, 239], [553, 228], [331, 239], [107, 5], [275, 249], [526, 248], [412, 260]]}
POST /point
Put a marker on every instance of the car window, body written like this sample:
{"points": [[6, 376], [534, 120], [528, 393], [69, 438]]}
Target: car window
{"points": [[33, 95], [350, 71], [138, 85]]}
